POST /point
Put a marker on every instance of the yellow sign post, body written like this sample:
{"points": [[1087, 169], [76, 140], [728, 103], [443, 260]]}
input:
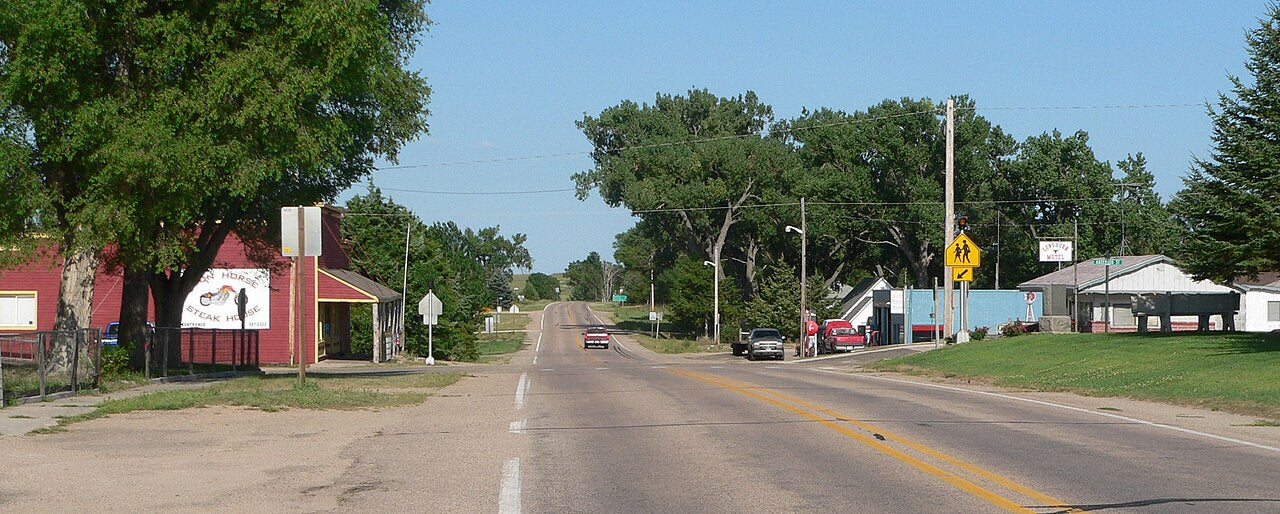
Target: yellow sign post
{"points": [[962, 274], [963, 253]]}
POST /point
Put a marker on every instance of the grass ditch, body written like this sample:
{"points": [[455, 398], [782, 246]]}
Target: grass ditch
{"points": [[1234, 372], [276, 393]]}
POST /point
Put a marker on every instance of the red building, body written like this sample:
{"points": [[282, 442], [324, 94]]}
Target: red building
{"points": [[29, 299]]}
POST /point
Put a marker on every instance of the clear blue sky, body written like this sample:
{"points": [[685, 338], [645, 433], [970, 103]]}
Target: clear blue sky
{"points": [[510, 78]]}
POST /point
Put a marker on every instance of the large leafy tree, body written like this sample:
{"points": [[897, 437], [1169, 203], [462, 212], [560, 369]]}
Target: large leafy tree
{"points": [[689, 166], [1229, 199], [174, 124], [877, 180], [586, 277]]}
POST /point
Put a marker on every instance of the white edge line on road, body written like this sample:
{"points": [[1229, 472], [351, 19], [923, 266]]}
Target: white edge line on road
{"points": [[509, 498], [611, 336], [1068, 407], [517, 427], [521, 388]]}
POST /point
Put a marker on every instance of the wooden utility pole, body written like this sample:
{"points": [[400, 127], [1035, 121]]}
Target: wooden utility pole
{"points": [[949, 222]]}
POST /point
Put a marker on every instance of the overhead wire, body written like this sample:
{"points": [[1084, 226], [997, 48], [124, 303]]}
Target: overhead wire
{"points": [[786, 130]]}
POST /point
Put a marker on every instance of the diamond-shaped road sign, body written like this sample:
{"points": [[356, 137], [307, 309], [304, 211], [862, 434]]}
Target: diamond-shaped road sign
{"points": [[963, 253], [430, 308]]}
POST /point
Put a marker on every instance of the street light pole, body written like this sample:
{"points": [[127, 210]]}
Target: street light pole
{"points": [[803, 278], [716, 288]]}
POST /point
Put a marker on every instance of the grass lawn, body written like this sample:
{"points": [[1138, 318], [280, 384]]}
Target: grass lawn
{"points": [[1231, 372], [275, 393], [508, 321], [635, 318], [495, 347]]}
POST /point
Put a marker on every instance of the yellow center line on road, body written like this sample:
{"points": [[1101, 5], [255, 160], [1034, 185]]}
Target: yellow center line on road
{"points": [[582, 345], [952, 478], [1001, 480]]}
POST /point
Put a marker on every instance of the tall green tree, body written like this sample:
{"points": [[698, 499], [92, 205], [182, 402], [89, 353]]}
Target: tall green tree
{"points": [[1229, 202], [164, 127], [541, 286], [688, 165], [375, 226], [586, 277], [692, 299], [876, 181]]}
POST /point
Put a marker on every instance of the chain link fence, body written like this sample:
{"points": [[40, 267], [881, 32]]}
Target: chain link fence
{"points": [[37, 364], [188, 351]]}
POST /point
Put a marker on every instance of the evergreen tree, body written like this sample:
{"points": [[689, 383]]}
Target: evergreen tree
{"points": [[1229, 202]]}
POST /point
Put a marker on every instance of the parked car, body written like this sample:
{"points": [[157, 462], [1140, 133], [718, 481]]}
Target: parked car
{"points": [[765, 342], [111, 334], [595, 336], [838, 335]]}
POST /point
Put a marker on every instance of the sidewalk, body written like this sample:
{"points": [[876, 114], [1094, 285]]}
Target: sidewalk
{"points": [[17, 420]]}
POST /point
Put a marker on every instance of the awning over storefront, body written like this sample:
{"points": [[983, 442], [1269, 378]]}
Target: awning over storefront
{"points": [[342, 284]]}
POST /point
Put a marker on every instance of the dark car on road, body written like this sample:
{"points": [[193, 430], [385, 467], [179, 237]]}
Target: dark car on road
{"points": [[764, 342]]}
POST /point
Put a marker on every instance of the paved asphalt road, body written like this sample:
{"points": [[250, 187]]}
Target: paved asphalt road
{"points": [[625, 429], [563, 429]]}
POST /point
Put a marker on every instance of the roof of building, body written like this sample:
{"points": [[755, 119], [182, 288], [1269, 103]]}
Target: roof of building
{"points": [[1087, 274], [851, 297], [1269, 281], [366, 284]]}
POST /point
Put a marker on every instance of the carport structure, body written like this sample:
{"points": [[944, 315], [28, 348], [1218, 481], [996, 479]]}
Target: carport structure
{"points": [[336, 290]]}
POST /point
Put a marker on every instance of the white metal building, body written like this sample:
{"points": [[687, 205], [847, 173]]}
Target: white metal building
{"points": [[1259, 303], [1136, 275]]}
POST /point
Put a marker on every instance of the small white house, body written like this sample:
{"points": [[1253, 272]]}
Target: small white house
{"points": [[856, 300], [1259, 303]]}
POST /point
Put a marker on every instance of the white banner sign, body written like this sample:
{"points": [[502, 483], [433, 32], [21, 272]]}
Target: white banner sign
{"points": [[212, 304], [1056, 251]]}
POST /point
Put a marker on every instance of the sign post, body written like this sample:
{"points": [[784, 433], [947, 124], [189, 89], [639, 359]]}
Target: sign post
{"points": [[963, 256], [430, 308], [300, 238]]}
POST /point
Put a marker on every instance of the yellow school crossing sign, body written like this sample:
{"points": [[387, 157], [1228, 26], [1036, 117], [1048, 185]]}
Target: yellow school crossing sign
{"points": [[962, 274], [963, 253]]}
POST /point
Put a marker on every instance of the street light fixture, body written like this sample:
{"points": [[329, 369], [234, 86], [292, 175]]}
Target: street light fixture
{"points": [[716, 307], [803, 280]]}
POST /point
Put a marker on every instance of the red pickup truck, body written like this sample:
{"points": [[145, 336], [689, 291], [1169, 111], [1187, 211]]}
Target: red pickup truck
{"points": [[838, 335], [595, 336]]}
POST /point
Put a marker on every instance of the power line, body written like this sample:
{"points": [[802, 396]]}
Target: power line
{"points": [[482, 193], [787, 131]]}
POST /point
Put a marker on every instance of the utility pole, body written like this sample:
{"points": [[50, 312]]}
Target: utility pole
{"points": [[651, 299], [804, 277], [404, 291], [997, 248], [949, 220], [1075, 275]]}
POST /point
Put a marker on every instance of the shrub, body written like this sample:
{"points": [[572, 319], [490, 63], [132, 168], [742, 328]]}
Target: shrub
{"points": [[115, 360], [978, 333], [1013, 329]]}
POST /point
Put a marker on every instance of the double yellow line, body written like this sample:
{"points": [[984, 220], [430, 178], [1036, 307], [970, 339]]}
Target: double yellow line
{"points": [[842, 423]]}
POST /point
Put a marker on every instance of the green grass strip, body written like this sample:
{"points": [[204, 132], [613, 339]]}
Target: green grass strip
{"points": [[1237, 372]]}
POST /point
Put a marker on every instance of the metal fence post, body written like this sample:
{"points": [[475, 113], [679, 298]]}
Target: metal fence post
{"points": [[213, 350], [165, 339], [146, 354], [40, 362], [234, 342], [75, 359], [191, 350], [2, 400]]}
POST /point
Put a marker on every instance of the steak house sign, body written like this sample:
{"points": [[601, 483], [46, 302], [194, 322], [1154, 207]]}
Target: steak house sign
{"points": [[212, 304]]}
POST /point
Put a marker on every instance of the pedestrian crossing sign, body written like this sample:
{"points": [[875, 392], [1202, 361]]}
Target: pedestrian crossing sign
{"points": [[962, 274], [963, 253]]}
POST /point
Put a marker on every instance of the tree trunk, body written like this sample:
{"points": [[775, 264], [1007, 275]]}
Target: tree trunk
{"points": [[75, 301], [134, 296]]}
